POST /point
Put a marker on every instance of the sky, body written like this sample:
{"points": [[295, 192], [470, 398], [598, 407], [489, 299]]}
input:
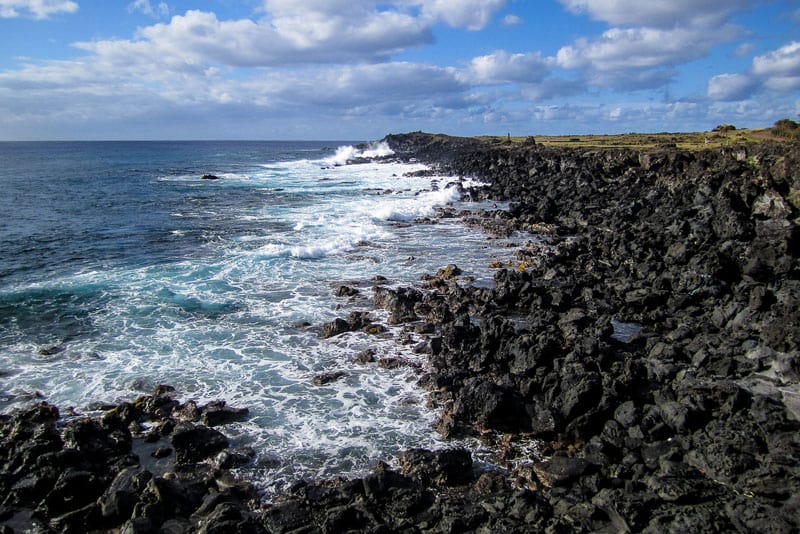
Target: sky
{"points": [[359, 69]]}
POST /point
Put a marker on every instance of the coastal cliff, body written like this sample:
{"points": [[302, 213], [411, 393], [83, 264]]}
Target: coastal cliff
{"points": [[635, 368]]}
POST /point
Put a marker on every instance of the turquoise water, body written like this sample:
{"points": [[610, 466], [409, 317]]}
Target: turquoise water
{"points": [[121, 269]]}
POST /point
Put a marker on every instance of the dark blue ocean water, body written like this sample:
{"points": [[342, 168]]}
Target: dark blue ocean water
{"points": [[121, 269], [69, 206]]}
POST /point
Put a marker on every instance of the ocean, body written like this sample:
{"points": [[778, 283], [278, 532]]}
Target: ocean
{"points": [[122, 269]]}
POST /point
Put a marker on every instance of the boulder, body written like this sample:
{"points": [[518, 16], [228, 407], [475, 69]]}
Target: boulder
{"points": [[194, 444]]}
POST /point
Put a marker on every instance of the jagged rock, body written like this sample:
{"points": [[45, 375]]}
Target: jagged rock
{"points": [[335, 327], [326, 378], [346, 291], [218, 413], [440, 468], [196, 443]]}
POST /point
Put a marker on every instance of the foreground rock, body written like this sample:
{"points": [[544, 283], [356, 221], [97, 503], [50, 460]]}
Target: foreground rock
{"points": [[691, 424], [100, 474], [434, 492]]}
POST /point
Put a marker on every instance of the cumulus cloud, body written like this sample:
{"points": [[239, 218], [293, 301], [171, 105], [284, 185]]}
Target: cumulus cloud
{"points": [[315, 31], [199, 38], [77, 87], [144, 6], [780, 68], [727, 87], [657, 13], [511, 20], [38, 9], [648, 39], [777, 70], [784, 61], [501, 67], [196, 60], [470, 14], [550, 88], [620, 56]]}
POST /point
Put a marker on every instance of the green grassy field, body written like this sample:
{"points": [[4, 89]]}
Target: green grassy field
{"points": [[689, 141]]}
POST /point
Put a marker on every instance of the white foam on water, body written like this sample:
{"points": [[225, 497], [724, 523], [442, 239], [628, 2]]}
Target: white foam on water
{"points": [[409, 209], [225, 325], [347, 153]]}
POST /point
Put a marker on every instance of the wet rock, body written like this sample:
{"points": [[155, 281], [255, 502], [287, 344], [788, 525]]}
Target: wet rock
{"points": [[119, 499], [218, 413], [398, 302], [336, 327], [196, 443], [365, 356], [232, 458], [51, 350], [346, 291], [327, 378], [440, 468]]}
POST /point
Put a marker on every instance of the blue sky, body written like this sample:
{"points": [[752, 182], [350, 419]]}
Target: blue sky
{"points": [[358, 69]]}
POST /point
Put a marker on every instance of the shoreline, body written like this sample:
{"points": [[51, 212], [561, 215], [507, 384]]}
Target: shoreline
{"points": [[681, 425]]}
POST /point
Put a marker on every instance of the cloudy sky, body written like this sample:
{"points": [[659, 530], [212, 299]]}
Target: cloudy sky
{"points": [[358, 69]]}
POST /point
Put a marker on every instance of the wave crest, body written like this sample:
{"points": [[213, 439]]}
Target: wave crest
{"points": [[375, 149]]}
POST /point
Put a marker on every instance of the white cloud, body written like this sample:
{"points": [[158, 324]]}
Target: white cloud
{"points": [[784, 61], [470, 14], [78, 88], [500, 67], [777, 70], [649, 39], [198, 38], [551, 88], [327, 62], [744, 49], [658, 13], [728, 87], [619, 53], [196, 60], [38, 9], [315, 31], [511, 20], [144, 6], [780, 69]]}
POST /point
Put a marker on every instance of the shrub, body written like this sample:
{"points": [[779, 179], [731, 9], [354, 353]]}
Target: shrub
{"points": [[786, 128], [724, 128]]}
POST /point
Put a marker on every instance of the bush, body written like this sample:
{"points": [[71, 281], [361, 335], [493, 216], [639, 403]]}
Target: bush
{"points": [[786, 128], [724, 128]]}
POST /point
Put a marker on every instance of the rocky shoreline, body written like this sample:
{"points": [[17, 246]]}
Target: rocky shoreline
{"points": [[646, 337]]}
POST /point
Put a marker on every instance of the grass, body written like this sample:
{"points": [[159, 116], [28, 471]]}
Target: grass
{"points": [[688, 141]]}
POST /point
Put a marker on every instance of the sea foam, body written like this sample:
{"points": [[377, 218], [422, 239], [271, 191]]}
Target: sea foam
{"points": [[375, 149], [217, 310]]}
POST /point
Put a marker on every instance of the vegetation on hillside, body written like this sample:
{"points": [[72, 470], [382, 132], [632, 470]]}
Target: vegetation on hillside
{"points": [[787, 128], [722, 135]]}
